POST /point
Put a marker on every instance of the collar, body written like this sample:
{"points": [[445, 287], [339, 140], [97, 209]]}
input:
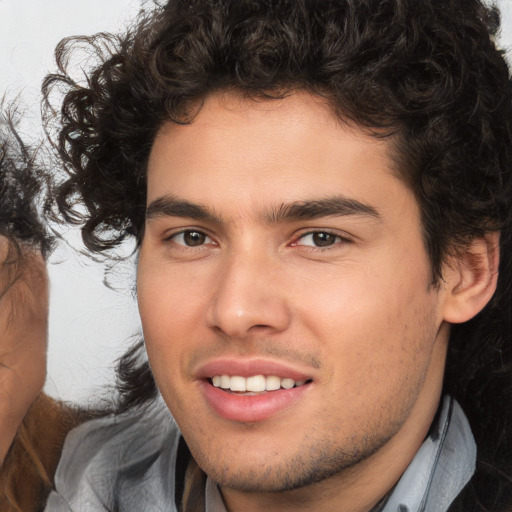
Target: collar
{"points": [[442, 467]]}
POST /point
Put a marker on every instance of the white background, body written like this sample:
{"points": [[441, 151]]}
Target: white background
{"points": [[90, 325]]}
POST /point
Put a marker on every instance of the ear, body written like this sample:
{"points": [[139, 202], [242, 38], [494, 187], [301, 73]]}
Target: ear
{"points": [[471, 278]]}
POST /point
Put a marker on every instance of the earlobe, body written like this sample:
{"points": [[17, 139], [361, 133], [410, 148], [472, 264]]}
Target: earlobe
{"points": [[471, 279]]}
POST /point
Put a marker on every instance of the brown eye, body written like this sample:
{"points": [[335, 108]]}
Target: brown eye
{"points": [[193, 238], [190, 238], [319, 239], [322, 239]]}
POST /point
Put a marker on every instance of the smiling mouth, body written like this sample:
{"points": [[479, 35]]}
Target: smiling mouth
{"points": [[255, 383]]}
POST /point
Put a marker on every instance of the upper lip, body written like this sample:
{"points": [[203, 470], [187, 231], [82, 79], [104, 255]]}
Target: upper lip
{"points": [[250, 367]]}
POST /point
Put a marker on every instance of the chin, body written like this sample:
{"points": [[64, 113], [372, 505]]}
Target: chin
{"points": [[312, 465]]}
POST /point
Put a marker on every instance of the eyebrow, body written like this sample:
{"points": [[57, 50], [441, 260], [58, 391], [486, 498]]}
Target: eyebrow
{"points": [[170, 206], [317, 208], [300, 210]]}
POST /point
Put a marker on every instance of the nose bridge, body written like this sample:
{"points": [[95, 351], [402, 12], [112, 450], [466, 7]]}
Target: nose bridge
{"points": [[247, 295]]}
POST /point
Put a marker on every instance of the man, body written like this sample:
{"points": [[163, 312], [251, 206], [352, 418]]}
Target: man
{"points": [[320, 193]]}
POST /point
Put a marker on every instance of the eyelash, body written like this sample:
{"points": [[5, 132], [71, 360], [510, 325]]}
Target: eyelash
{"points": [[338, 239], [183, 233]]}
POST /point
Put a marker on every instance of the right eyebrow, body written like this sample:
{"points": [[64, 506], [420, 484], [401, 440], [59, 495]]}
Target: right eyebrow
{"points": [[173, 207]]}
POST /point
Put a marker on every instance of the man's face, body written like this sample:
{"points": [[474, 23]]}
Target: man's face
{"points": [[281, 250]]}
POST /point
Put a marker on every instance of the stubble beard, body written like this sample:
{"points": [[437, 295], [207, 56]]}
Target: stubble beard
{"points": [[314, 462]]}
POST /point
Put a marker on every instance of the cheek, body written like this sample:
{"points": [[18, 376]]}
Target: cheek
{"points": [[372, 321], [362, 298], [170, 308], [164, 296]]}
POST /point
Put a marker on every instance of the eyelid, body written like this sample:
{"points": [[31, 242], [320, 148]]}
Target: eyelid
{"points": [[343, 238], [169, 236]]}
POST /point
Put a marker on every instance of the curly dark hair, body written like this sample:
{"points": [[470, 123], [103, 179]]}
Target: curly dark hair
{"points": [[425, 74], [21, 180]]}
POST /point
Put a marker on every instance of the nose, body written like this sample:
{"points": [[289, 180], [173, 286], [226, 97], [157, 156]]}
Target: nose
{"points": [[250, 297]]}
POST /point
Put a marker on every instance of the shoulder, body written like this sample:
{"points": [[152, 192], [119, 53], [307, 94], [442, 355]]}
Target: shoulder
{"points": [[118, 462], [27, 474]]}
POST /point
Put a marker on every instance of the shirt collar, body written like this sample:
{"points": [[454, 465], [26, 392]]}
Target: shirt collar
{"points": [[442, 467]]}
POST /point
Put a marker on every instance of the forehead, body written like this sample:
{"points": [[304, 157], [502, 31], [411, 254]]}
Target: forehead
{"points": [[263, 151]]}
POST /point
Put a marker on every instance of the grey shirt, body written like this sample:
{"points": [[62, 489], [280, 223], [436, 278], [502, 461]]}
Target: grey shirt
{"points": [[127, 463]]}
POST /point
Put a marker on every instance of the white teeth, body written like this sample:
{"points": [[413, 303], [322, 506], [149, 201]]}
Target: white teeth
{"points": [[287, 383], [272, 383], [238, 383], [255, 383]]}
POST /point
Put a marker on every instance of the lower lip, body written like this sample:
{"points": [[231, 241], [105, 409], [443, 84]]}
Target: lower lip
{"points": [[250, 408]]}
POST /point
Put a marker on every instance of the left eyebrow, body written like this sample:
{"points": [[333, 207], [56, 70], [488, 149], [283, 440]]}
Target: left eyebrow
{"points": [[315, 209]]}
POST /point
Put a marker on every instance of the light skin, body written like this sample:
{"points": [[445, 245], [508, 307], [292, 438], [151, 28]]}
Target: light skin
{"points": [[280, 241], [23, 337]]}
